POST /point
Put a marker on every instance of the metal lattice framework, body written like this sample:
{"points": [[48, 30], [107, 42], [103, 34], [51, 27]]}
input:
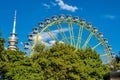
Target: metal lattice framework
{"points": [[71, 31]]}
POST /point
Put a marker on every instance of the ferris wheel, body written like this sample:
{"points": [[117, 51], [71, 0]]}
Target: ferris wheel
{"points": [[68, 30]]}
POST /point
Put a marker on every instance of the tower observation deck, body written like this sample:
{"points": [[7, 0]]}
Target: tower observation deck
{"points": [[13, 40]]}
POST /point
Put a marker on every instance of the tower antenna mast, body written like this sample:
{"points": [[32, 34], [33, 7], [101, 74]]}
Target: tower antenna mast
{"points": [[12, 40], [14, 24]]}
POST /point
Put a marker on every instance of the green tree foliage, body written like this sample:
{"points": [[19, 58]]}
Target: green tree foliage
{"points": [[14, 65], [1, 42], [61, 62], [39, 48]]}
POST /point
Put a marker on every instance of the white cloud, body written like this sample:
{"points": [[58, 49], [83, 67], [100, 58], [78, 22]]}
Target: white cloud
{"points": [[109, 16], [66, 6], [62, 30], [46, 5], [21, 43], [52, 42], [5, 48], [61, 42], [54, 4], [45, 36]]}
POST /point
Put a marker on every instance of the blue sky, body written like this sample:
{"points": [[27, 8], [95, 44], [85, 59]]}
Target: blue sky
{"points": [[102, 13]]}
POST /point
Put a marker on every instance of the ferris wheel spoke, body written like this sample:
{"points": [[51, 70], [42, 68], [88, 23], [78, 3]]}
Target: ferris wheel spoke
{"points": [[71, 34], [79, 37], [69, 29], [105, 53], [97, 45], [62, 33], [87, 41], [108, 56], [34, 44], [51, 35]]}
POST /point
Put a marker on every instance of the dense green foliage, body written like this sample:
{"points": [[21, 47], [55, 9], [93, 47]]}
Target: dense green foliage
{"points": [[1, 42], [60, 62]]}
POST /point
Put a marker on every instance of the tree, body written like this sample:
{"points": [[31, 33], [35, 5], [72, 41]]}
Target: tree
{"points": [[1, 42], [39, 48], [1, 48], [61, 62], [14, 65]]}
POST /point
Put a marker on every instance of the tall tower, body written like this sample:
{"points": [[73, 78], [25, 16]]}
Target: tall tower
{"points": [[13, 40]]}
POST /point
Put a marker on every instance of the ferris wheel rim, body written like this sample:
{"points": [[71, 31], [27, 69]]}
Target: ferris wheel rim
{"points": [[58, 21]]}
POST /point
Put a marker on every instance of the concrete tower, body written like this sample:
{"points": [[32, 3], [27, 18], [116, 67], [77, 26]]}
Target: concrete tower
{"points": [[12, 40]]}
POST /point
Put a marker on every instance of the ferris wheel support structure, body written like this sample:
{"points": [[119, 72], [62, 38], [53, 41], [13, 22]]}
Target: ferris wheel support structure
{"points": [[69, 36]]}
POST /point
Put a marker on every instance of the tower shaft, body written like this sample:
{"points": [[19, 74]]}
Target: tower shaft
{"points": [[12, 40]]}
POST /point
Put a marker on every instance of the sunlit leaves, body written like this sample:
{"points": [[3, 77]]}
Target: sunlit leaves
{"points": [[61, 62]]}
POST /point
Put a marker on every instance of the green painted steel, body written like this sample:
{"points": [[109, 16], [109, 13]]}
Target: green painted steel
{"points": [[72, 40]]}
